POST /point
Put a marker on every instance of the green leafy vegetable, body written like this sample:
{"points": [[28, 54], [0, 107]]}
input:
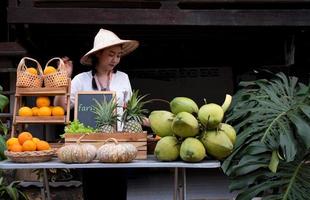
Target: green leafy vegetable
{"points": [[78, 127]]}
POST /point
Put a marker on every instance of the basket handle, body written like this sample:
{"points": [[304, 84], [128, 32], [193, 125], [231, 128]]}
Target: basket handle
{"points": [[61, 65], [22, 66]]}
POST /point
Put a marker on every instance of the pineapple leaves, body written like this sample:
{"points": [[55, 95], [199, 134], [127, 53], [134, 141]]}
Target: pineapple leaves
{"points": [[106, 116], [272, 119], [134, 113]]}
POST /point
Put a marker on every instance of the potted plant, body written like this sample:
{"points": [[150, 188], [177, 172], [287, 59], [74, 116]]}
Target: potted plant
{"points": [[271, 154]]}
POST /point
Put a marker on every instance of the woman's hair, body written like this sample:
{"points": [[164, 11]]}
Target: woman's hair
{"points": [[94, 63]]}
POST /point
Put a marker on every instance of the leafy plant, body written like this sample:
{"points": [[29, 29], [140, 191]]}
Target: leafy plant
{"points": [[270, 157], [76, 127], [4, 101], [11, 191]]}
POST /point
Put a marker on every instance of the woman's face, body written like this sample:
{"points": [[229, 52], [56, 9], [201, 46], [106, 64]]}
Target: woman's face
{"points": [[108, 58]]}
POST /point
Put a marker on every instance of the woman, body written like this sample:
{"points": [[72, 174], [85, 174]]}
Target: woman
{"points": [[104, 57]]}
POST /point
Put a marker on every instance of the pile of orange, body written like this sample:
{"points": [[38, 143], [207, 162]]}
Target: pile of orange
{"points": [[43, 108], [32, 70], [49, 70], [26, 142]]}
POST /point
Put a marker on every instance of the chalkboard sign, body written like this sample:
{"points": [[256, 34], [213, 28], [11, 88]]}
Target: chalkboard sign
{"points": [[83, 105]]}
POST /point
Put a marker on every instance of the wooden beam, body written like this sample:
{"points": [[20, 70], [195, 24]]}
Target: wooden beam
{"points": [[11, 49], [239, 1], [221, 17]]}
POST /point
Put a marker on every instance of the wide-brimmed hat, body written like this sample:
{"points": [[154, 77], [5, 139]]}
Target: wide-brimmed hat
{"points": [[106, 38]]}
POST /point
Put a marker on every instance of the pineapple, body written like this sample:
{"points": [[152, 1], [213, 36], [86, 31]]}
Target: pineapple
{"points": [[106, 115], [134, 113]]}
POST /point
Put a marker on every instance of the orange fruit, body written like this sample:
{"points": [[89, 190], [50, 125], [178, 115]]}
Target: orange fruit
{"points": [[16, 148], [10, 142], [32, 70], [29, 145], [35, 140], [49, 70], [43, 145], [25, 111], [43, 101], [44, 111], [58, 111], [24, 136], [35, 111]]}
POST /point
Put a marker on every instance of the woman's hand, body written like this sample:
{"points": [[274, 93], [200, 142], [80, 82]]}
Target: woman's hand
{"points": [[68, 65], [146, 122]]}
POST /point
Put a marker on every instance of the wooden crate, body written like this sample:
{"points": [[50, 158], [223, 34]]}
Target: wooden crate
{"points": [[97, 139]]}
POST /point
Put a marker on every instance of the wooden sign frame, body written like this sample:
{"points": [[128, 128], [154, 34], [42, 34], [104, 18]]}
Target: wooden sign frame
{"points": [[91, 93]]}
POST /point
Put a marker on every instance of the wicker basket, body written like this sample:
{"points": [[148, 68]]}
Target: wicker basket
{"points": [[58, 79], [26, 79], [31, 156]]}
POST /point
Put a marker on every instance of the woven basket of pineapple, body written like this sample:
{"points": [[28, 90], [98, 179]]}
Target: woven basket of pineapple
{"points": [[55, 76], [29, 76]]}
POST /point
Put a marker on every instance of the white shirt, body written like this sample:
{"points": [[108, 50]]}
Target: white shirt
{"points": [[119, 83]]}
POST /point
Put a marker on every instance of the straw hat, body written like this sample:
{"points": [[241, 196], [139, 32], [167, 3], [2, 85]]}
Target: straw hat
{"points": [[106, 38]]}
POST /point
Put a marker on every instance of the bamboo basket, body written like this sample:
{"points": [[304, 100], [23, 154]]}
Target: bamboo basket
{"points": [[26, 79], [31, 156], [59, 78]]}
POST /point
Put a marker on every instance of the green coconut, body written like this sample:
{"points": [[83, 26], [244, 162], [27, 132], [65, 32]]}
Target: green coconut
{"points": [[225, 106], [229, 131], [183, 104], [185, 125], [192, 150], [211, 115], [217, 144], [167, 149], [161, 121]]}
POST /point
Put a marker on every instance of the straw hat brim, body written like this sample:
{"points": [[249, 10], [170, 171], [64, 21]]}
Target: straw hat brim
{"points": [[127, 47]]}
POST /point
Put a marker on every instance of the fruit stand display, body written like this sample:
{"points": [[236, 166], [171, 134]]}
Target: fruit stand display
{"points": [[192, 133], [43, 112], [24, 147], [106, 119]]}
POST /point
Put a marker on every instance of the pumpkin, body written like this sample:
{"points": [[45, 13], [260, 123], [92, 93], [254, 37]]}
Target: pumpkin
{"points": [[114, 152], [77, 153]]}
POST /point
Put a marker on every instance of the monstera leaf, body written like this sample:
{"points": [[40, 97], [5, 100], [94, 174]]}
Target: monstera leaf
{"points": [[270, 158]]}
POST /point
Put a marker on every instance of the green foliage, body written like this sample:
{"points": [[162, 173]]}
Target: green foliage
{"points": [[2, 147], [77, 127], [105, 112], [4, 101], [134, 108], [11, 191], [272, 119]]}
